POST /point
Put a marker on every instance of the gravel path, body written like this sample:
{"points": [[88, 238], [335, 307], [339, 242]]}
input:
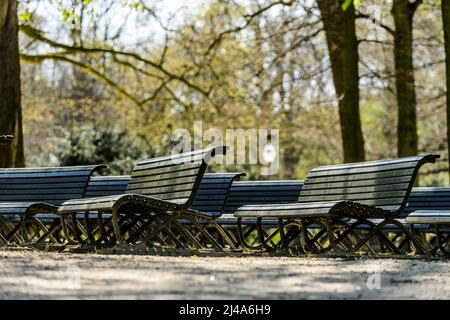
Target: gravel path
{"points": [[26, 274]]}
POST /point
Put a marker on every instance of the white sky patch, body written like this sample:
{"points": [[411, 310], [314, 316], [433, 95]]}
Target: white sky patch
{"points": [[137, 26]]}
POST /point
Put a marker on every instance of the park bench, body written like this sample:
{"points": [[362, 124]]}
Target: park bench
{"points": [[255, 193], [100, 186], [339, 199], [265, 192], [97, 186], [211, 194], [26, 192], [284, 191], [210, 199], [428, 200], [161, 192], [432, 214]]}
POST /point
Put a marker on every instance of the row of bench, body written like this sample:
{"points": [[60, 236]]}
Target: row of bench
{"points": [[221, 194], [170, 201]]}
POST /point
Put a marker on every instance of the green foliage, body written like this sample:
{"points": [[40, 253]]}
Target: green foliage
{"points": [[136, 5], [25, 16], [67, 13], [347, 3], [99, 146]]}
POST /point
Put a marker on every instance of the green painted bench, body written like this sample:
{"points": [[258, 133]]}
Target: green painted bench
{"points": [[161, 192], [341, 198], [27, 192]]}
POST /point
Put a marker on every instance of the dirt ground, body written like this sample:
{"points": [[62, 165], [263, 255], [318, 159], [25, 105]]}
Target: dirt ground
{"points": [[38, 275]]}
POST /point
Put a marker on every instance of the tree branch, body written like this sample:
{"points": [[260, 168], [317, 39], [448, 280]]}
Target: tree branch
{"points": [[249, 18], [38, 35], [26, 58], [413, 6], [360, 15]]}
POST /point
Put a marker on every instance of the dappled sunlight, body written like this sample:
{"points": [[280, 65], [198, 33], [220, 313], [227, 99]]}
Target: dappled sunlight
{"points": [[166, 277]]}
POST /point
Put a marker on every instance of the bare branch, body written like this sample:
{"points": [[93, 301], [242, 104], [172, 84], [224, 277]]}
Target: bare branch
{"points": [[38, 35], [249, 18], [85, 67], [360, 15]]}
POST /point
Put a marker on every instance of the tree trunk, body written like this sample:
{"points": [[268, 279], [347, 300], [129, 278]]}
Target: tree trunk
{"points": [[403, 12], [10, 102], [446, 26], [342, 44]]}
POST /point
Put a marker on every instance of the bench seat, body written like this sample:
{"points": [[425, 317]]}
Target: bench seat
{"points": [[22, 208], [286, 210], [360, 191], [429, 217], [158, 192], [137, 201]]}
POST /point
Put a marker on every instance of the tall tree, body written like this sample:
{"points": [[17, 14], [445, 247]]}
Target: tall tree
{"points": [[10, 100], [446, 26], [339, 25], [403, 13]]}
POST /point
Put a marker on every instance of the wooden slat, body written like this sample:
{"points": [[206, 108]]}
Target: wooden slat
{"points": [[358, 183], [47, 186], [382, 184], [49, 169], [23, 189], [364, 169], [186, 167], [185, 156], [152, 184], [46, 182], [38, 191], [369, 177], [377, 189], [430, 216], [354, 196], [262, 192], [168, 179], [372, 163]]}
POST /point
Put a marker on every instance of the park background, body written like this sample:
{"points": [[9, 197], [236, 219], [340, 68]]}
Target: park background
{"points": [[106, 81]]}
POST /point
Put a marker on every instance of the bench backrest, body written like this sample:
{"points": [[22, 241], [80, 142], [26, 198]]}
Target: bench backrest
{"points": [[100, 186], [175, 178], [214, 191], [210, 198], [385, 184], [50, 185], [262, 192], [428, 198]]}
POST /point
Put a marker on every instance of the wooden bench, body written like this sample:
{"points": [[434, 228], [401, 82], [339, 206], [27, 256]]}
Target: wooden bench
{"points": [[255, 193], [100, 186], [214, 191], [430, 213], [161, 191], [332, 195], [210, 198], [285, 191], [26, 192]]}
